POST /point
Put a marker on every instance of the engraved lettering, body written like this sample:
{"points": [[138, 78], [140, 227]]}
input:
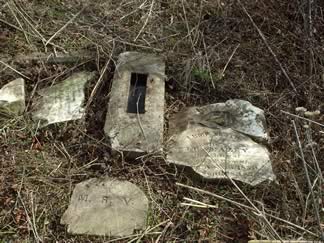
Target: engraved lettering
{"points": [[107, 201], [83, 198]]}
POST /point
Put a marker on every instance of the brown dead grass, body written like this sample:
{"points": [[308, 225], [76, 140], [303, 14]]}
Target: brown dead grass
{"points": [[38, 168]]}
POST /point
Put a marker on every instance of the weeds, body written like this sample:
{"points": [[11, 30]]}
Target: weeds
{"points": [[214, 52]]}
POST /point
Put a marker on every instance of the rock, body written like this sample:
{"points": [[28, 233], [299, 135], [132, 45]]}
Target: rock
{"points": [[12, 97], [63, 101], [135, 116], [106, 207], [301, 109], [311, 114], [212, 140]]}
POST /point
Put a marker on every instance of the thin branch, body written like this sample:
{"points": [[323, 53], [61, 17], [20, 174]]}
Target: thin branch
{"points": [[244, 195], [269, 48], [146, 20], [64, 26], [100, 80], [13, 69], [316, 209], [229, 60], [138, 117], [15, 16]]}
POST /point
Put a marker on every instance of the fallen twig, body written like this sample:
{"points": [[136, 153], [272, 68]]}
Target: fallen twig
{"points": [[303, 118], [269, 48], [146, 20], [245, 206], [316, 209], [64, 26], [15, 70]]}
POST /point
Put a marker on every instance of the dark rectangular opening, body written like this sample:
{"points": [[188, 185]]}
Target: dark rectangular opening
{"points": [[137, 92]]}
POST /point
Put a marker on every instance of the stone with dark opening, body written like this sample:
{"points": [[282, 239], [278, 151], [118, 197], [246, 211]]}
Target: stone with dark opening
{"points": [[137, 93], [135, 116]]}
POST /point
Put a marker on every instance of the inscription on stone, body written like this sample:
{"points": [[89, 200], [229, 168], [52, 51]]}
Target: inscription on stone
{"points": [[63, 101], [216, 151], [106, 207]]}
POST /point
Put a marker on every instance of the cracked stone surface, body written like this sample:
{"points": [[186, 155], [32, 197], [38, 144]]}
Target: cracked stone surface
{"points": [[216, 139], [137, 133]]}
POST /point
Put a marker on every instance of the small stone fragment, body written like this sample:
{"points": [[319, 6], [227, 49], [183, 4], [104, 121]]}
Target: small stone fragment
{"points": [[106, 207], [214, 142], [12, 97], [63, 101], [300, 110], [311, 114]]}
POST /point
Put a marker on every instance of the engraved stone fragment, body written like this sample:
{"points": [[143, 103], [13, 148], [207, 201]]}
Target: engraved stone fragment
{"points": [[106, 207], [212, 142], [135, 116], [63, 101]]}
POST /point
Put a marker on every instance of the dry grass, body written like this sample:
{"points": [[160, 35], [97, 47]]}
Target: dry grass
{"points": [[213, 53]]}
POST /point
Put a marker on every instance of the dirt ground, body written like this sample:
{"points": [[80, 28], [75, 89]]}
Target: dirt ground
{"points": [[267, 52]]}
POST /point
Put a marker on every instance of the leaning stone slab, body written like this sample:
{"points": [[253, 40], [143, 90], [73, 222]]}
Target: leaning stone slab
{"points": [[12, 97], [106, 207], [205, 141], [63, 101], [135, 115]]}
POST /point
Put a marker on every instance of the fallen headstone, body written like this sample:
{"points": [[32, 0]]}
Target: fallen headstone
{"points": [[213, 142], [135, 116], [106, 207], [12, 97], [63, 101]]}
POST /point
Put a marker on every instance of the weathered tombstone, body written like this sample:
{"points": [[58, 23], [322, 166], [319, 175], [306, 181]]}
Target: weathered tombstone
{"points": [[63, 101], [106, 207], [213, 140], [12, 96], [135, 115]]}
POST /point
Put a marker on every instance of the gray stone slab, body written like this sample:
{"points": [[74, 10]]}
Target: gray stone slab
{"points": [[12, 96], [135, 116], [63, 101], [106, 207], [205, 141], [240, 115]]}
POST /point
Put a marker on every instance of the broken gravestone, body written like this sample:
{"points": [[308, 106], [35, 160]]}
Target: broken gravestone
{"points": [[135, 116], [106, 207], [12, 97], [217, 141], [63, 101]]}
